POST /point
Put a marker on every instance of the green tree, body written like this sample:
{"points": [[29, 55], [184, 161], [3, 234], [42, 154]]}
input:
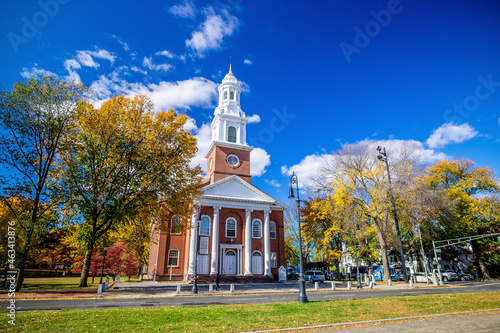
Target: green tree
{"points": [[122, 156], [34, 119]]}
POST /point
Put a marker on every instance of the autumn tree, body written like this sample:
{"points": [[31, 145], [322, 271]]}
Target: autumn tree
{"points": [[122, 156], [322, 227], [34, 119], [474, 193], [358, 185]]}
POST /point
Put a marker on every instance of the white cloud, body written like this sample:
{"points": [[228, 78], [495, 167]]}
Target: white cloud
{"points": [[211, 32], [121, 41], [204, 139], [36, 71], [259, 160], [272, 182], [254, 119], [182, 95], [84, 58], [148, 62], [165, 53], [310, 168], [307, 170], [186, 10], [103, 54], [70, 65], [247, 62], [450, 133], [499, 121]]}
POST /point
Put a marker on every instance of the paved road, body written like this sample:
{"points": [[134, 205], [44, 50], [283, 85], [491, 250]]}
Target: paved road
{"points": [[285, 294]]}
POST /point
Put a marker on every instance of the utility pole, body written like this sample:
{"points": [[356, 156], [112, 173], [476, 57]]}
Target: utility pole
{"points": [[382, 156]]}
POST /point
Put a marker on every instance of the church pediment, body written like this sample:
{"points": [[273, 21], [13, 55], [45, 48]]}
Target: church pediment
{"points": [[235, 189]]}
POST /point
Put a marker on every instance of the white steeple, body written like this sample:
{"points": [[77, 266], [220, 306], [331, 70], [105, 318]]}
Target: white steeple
{"points": [[229, 124]]}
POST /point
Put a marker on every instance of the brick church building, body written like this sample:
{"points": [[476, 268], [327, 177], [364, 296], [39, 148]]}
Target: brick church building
{"points": [[241, 231]]}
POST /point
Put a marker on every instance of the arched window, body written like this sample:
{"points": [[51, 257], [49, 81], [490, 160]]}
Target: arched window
{"points": [[231, 134], [176, 225], [173, 258], [231, 95], [205, 226], [272, 230], [231, 228], [256, 229], [225, 94]]}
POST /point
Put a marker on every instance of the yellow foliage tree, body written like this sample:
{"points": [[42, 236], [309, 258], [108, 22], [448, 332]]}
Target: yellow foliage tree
{"points": [[121, 157]]}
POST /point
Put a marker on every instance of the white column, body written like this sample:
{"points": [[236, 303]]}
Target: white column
{"points": [[215, 241], [193, 244], [248, 242], [267, 245]]}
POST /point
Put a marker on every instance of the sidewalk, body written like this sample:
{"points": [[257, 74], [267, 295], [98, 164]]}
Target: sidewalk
{"points": [[168, 289]]}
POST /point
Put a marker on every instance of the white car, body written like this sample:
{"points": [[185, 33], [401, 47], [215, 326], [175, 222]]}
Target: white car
{"points": [[420, 277], [314, 276]]}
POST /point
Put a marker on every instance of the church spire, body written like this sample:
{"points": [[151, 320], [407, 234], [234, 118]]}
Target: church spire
{"points": [[230, 65]]}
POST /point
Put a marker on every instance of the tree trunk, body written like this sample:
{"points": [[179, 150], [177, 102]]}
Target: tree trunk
{"points": [[381, 234], [86, 263], [22, 261], [481, 265]]}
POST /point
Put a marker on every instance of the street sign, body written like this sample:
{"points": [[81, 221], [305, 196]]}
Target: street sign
{"points": [[438, 250]]}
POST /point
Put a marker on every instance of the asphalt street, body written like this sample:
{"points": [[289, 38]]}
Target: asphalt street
{"points": [[146, 297]]}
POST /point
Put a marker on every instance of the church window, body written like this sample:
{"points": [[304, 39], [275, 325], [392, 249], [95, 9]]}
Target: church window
{"points": [[173, 258], [230, 228], [256, 229], [211, 162], [176, 225], [225, 94], [205, 226], [231, 134], [272, 230], [233, 160], [231, 95], [274, 261]]}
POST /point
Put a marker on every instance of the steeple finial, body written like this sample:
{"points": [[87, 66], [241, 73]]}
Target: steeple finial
{"points": [[230, 65]]}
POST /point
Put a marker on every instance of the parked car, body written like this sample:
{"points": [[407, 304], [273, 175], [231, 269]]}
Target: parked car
{"points": [[420, 277], [465, 276], [314, 276], [449, 276]]}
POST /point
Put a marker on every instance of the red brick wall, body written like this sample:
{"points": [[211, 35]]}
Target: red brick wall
{"points": [[220, 168]]}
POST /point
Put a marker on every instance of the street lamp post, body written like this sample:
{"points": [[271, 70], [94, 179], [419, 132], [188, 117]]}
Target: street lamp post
{"points": [[302, 282], [382, 156], [103, 263], [356, 253], [195, 274]]}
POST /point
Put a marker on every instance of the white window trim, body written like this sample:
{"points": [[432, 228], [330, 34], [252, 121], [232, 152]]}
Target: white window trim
{"points": [[257, 251], [178, 255], [270, 232], [257, 220], [275, 260], [235, 227], [209, 226]]}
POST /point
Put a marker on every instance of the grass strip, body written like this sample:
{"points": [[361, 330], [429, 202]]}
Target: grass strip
{"points": [[237, 318]]}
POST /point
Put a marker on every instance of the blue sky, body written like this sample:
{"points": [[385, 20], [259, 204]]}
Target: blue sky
{"points": [[316, 74]]}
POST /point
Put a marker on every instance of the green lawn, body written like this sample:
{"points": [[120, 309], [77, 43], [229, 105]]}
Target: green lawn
{"points": [[46, 280], [235, 318]]}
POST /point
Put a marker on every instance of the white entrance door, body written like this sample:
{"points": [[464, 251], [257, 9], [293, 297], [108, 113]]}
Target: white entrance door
{"points": [[230, 263], [203, 264], [257, 263]]}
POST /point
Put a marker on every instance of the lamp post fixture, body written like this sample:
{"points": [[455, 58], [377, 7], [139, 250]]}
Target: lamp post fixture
{"points": [[382, 156], [302, 282], [356, 252], [103, 263], [195, 275]]}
